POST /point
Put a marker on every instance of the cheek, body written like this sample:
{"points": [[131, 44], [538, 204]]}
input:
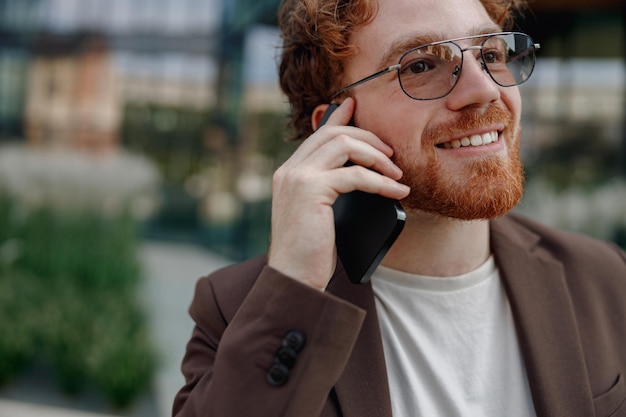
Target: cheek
{"points": [[513, 101], [401, 128]]}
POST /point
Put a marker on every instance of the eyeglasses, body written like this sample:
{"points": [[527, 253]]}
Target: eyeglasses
{"points": [[431, 71]]}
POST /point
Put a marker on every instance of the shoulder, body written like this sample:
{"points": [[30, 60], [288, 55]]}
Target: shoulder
{"points": [[226, 288], [566, 246], [594, 271], [588, 265]]}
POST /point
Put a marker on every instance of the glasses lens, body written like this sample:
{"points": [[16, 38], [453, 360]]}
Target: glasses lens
{"points": [[509, 58], [431, 71], [428, 72]]}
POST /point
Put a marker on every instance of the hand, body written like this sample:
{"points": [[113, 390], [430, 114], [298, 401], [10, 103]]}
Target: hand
{"points": [[306, 186]]}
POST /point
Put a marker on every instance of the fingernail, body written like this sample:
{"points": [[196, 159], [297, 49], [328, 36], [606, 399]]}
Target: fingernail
{"points": [[403, 187], [397, 170]]}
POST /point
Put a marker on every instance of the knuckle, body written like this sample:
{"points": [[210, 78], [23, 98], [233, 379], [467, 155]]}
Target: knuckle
{"points": [[342, 140], [293, 179], [277, 177]]}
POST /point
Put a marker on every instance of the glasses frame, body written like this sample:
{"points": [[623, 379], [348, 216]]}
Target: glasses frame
{"points": [[396, 67]]}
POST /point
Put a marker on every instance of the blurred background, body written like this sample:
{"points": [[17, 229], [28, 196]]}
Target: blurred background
{"points": [[137, 143]]}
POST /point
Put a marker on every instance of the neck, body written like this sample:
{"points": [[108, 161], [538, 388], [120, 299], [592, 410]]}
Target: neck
{"points": [[439, 246]]}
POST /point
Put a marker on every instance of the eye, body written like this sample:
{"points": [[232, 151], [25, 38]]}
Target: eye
{"points": [[494, 56], [418, 66]]}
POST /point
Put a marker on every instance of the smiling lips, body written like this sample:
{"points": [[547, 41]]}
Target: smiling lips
{"points": [[474, 140]]}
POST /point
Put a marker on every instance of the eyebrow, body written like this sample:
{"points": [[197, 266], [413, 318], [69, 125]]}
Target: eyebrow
{"points": [[400, 46]]}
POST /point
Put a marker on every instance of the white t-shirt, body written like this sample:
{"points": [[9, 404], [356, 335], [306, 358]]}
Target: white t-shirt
{"points": [[450, 345]]}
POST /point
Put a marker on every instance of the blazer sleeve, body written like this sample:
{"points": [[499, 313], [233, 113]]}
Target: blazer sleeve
{"points": [[279, 354]]}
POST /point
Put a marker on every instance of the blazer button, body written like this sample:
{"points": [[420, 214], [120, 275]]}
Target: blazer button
{"points": [[277, 375], [287, 356], [294, 339]]}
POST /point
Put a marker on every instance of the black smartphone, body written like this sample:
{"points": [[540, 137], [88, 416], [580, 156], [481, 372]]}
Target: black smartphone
{"points": [[366, 225]]}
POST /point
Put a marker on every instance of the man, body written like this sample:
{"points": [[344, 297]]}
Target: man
{"points": [[474, 312]]}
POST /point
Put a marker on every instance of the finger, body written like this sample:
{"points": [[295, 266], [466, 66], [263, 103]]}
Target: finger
{"points": [[340, 139], [356, 177], [343, 114], [337, 141], [343, 148]]}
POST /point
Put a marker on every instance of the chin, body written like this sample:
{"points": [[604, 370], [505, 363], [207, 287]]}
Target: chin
{"points": [[488, 189]]}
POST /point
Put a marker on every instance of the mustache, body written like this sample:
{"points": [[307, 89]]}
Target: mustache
{"points": [[466, 120]]}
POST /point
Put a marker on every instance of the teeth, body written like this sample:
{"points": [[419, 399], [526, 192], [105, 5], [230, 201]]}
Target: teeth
{"points": [[474, 140]]}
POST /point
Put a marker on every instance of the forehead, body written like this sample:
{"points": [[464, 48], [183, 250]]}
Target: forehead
{"points": [[399, 21]]}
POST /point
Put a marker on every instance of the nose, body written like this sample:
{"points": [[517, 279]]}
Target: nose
{"points": [[474, 88]]}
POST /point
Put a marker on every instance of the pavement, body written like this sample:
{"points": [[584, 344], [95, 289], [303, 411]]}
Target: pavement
{"points": [[9, 408], [171, 272]]}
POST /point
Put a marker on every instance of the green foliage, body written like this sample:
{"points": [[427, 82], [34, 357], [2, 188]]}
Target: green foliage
{"points": [[67, 298], [19, 338]]}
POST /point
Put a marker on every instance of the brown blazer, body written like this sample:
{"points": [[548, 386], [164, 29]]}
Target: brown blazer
{"points": [[567, 294]]}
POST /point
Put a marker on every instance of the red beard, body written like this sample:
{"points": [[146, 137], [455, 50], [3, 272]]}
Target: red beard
{"points": [[484, 188]]}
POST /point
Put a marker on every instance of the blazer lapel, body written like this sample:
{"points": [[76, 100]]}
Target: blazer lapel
{"points": [[362, 390], [545, 321]]}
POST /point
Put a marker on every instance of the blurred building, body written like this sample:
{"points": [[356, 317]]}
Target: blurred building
{"points": [[68, 68], [72, 93], [577, 93], [171, 52], [193, 84]]}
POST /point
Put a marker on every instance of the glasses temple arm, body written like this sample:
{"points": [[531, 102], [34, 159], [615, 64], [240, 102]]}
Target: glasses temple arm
{"points": [[366, 79]]}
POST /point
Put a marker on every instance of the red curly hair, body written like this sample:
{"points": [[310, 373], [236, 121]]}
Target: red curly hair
{"points": [[316, 42]]}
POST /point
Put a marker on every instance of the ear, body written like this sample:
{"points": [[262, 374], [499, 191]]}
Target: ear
{"points": [[318, 114]]}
